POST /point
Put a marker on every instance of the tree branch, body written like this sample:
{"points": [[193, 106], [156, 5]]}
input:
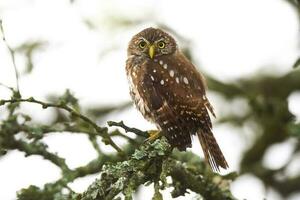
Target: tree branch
{"points": [[101, 131], [128, 129], [38, 148], [147, 165]]}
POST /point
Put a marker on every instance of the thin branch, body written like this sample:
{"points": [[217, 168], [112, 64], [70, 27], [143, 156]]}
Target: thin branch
{"points": [[101, 131], [12, 54], [44, 129], [7, 87], [128, 129], [93, 140], [40, 149], [118, 133]]}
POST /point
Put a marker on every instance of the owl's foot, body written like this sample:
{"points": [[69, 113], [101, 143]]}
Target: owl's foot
{"points": [[153, 135]]}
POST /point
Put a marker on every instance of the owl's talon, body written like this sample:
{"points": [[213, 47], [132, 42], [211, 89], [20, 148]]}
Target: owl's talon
{"points": [[153, 135]]}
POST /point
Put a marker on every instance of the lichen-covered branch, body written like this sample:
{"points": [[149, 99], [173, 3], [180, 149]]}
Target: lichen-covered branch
{"points": [[209, 188], [38, 148], [152, 163]]}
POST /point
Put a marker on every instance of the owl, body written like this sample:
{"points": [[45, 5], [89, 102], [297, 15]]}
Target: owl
{"points": [[169, 91]]}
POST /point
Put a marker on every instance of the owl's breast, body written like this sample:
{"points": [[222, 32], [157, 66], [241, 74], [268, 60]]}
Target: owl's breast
{"points": [[133, 71]]}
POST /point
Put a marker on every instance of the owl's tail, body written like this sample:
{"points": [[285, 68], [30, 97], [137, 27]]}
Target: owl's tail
{"points": [[212, 151]]}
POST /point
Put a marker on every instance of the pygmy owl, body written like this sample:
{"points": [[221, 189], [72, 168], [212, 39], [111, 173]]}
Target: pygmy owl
{"points": [[169, 91]]}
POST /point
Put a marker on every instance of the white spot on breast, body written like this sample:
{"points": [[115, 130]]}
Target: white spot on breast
{"points": [[171, 73], [154, 70], [133, 73], [162, 82], [152, 78], [165, 66], [204, 97], [177, 80], [161, 62], [185, 80]]}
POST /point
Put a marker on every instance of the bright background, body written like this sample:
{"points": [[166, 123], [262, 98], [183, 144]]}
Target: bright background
{"points": [[229, 39]]}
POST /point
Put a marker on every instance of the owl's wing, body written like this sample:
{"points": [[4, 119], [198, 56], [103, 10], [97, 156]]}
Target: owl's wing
{"points": [[175, 94], [163, 114], [193, 82]]}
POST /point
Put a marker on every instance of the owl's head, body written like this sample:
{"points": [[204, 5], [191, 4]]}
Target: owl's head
{"points": [[151, 42]]}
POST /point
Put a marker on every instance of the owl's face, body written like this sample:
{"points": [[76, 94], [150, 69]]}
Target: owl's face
{"points": [[151, 43]]}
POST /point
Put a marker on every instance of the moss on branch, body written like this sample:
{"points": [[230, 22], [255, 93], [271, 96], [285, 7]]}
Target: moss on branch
{"points": [[151, 163]]}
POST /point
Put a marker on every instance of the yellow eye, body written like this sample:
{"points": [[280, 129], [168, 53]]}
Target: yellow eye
{"points": [[142, 44], [161, 45]]}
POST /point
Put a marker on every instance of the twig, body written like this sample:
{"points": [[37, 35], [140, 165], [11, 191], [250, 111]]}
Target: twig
{"points": [[12, 54], [40, 149], [99, 130], [118, 133], [128, 129], [7, 87], [93, 140]]}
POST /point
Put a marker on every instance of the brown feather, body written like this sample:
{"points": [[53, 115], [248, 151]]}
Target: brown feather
{"points": [[212, 151]]}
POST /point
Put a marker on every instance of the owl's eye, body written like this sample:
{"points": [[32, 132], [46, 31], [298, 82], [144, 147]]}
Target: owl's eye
{"points": [[161, 45], [142, 44]]}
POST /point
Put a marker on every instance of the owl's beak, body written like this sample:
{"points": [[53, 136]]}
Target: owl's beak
{"points": [[151, 51]]}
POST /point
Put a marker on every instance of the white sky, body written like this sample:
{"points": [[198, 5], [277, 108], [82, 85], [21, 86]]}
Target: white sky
{"points": [[231, 39]]}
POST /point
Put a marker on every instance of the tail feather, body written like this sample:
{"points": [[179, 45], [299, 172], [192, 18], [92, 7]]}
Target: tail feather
{"points": [[210, 108], [212, 152]]}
